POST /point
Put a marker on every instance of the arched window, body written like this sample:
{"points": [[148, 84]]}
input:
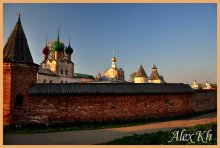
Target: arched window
{"points": [[61, 81], [61, 71], [66, 72], [51, 81], [45, 81], [19, 100]]}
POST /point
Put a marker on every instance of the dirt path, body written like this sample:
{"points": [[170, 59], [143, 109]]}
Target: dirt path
{"points": [[102, 135]]}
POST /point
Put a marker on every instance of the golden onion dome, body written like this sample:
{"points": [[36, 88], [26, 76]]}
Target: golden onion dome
{"points": [[113, 59]]}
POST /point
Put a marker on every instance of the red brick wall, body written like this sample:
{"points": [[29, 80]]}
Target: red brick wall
{"points": [[6, 92], [59, 109], [17, 78], [204, 100]]}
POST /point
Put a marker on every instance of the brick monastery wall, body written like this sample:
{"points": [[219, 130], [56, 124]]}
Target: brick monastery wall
{"points": [[17, 78], [61, 109], [48, 109], [6, 92], [204, 100]]}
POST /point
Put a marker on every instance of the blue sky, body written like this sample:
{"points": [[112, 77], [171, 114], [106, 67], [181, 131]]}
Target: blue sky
{"points": [[181, 39]]}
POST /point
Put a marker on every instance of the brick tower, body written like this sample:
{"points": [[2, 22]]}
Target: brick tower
{"points": [[19, 72]]}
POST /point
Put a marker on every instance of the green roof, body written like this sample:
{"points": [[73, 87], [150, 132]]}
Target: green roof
{"points": [[79, 75]]}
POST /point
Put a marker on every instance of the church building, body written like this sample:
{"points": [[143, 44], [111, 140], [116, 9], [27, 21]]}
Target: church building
{"points": [[57, 66], [114, 73], [195, 85]]}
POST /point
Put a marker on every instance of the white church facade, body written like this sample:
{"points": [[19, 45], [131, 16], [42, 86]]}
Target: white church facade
{"points": [[58, 67]]}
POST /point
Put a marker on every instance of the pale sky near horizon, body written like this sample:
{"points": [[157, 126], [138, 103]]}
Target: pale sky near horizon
{"points": [[181, 39]]}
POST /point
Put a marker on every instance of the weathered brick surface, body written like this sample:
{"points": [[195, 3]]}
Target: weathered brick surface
{"points": [[6, 93], [17, 78], [59, 109], [205, 100], [62, 109]]}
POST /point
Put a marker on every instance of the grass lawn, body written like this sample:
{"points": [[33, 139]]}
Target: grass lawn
{"points": [[42, 128], [162, 138]]}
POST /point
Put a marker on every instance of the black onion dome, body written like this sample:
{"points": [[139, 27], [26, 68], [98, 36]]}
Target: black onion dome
{"points": [[69, 50]]}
